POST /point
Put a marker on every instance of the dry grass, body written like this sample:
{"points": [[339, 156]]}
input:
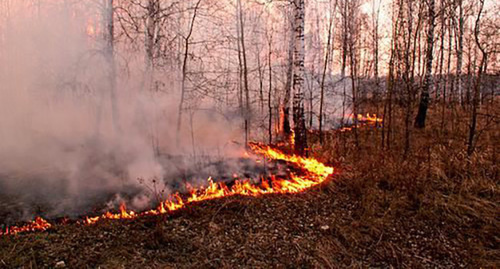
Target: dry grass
{"points": [[435, 208]]}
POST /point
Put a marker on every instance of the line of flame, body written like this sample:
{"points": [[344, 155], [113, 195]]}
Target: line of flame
{"points": [[315, 173], [362, 121], [369, 118]]}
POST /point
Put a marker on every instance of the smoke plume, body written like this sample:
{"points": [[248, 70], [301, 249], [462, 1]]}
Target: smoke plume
{"points": [[68, 142]]}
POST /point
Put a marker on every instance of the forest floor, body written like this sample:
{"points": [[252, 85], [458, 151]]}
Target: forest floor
{"points": [[433, 208]]}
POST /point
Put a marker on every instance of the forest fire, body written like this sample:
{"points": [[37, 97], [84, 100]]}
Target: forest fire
{"points": [[313, 173], [128, 133], [363, 120]]}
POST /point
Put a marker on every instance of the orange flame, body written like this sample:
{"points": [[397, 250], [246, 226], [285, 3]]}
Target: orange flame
{"points": [[368, 118], [38, 224], [90, 28], [315, 174], [362, 121]]}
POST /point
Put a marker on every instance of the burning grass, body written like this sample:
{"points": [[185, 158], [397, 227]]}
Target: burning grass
{"points": [[315, 173], [434, 208]]}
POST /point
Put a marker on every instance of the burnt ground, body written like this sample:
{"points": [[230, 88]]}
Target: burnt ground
{"points": [[324, 227], [431, 208], [51, 199]]}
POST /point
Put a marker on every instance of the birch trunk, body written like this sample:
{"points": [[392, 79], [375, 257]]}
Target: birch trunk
{"points": [[287, 130], [298, 79], [424, 97]]}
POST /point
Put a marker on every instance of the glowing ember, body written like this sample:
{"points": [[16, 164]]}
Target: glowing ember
{"points": [[314, 171]]}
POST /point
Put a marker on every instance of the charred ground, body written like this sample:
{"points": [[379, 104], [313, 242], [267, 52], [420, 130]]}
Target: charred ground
{"points": [[28, 200]]}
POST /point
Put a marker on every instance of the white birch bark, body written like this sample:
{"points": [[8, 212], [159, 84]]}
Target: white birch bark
{"points": [[298, 77], [424, 97]]}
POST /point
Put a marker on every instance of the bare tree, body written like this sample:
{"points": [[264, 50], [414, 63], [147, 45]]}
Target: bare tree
{"points": [[241, 40], [352, 37], [152, 24], [460, 49], [391, 79], [344, 39], [376, 37], [289, 76], [424, 97], [108, 38], [187, 40], [270, 90], [325, 67], [477, 86]]}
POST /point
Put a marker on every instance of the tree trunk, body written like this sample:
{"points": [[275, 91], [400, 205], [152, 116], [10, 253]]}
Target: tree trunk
{"points": [[269, 93], [298, 79], [343, 60], [387, 118], [260, 70], [353, 63], [424, 97], [247, 110], [440, 85], [184, 70], [449, 77], [287, 130], [477, 86], [460, 50], [376, 17], [153, 9], [325, 67], [109, 52]]}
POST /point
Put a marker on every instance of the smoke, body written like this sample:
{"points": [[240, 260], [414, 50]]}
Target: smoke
{"points": [[68, 144]]}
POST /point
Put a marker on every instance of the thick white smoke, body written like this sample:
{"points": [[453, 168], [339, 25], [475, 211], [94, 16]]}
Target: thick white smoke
{"points": [[60, 141]]}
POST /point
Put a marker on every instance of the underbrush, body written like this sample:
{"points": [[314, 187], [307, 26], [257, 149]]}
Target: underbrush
{"points": [[435, 188]]}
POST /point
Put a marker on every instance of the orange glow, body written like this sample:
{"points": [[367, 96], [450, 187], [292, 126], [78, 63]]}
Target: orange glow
{"points": [[90, 30], [314, 173], [292, 139], [38, 224], [281, 122], [363, 120], [369, 118]]}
